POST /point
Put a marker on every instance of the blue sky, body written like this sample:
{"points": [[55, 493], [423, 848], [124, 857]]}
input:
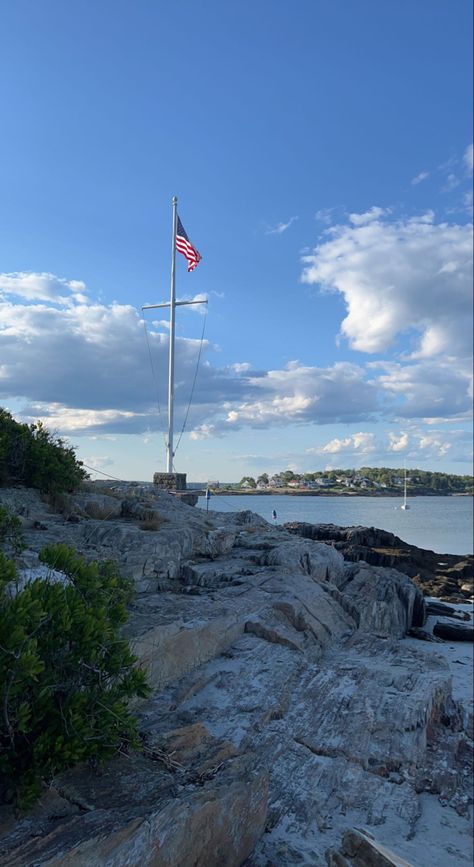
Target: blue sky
{"points": [[321, 153]]}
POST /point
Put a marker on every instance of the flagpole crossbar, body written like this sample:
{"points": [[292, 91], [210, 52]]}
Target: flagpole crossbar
{"points": [[176, 304]]}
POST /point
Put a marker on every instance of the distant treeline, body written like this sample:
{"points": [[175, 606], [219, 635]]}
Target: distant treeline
{"points": [[366, 478]]}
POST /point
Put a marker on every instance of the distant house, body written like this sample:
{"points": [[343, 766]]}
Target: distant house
{"points": [[246, 485], [275, 482], [294, 483]]}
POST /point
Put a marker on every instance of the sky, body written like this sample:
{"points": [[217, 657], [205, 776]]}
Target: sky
{"points": [[321, 152]]}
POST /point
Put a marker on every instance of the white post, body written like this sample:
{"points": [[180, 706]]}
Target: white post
{"points": [[169, 447]]}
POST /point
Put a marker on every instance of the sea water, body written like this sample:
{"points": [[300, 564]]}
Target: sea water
{"points": [[441, 524]]}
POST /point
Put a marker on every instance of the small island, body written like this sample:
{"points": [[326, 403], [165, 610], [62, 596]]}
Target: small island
{"points": [[365, 482]]}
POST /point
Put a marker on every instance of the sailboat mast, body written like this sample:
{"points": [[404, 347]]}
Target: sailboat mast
{"points": [[405, 487], [169, 446]]}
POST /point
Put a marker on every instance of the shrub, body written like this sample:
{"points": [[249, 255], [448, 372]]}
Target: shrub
{"points": [[11, 534], [98, 512], [66, 675], [31, 455]]}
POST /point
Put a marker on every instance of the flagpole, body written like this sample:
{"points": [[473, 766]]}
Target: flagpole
{"points": [[169, 447]]}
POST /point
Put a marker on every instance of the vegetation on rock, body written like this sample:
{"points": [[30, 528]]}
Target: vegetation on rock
{"points": [[31, 455], [66, 675], [11, 535]]}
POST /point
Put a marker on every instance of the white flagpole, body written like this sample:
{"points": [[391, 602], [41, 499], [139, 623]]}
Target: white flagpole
{"points": [[172, 305], [169, 447]]}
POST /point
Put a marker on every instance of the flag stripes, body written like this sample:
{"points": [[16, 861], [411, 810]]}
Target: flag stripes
{"points": [[184, 246]]}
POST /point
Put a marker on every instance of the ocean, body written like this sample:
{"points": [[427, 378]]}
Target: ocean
{"points": [[441, 524]]}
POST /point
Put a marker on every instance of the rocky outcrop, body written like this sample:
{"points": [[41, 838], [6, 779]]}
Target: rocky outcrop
{"points": [[288, 712], [447, 576], [131, 815]]}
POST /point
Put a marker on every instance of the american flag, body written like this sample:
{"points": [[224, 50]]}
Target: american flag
{"points": [[184, 246]]}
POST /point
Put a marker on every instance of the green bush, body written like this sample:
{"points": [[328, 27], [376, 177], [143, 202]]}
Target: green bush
{"points": [[11, 534], [66, 675], [31, 455]]}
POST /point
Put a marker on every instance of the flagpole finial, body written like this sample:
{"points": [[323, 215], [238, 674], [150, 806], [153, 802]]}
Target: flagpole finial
{"points": [[174, 200]]}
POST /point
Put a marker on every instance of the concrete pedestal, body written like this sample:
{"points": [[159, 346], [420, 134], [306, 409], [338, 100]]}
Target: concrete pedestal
{"points": [[170, 481]]}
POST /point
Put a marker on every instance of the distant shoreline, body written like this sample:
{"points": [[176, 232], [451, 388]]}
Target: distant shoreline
{"points": [[226, 492]]}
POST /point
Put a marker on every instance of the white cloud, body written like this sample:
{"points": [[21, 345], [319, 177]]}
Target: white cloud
{"points": [[369, 216], [42, 287], [84, 368], [468, 158], [452, 182], [427, 389], [98, 462], [204, 432], [398, 276], [397, 442], [324, 215], [280, 227], [305, 394], [361, 443], [439, 444], [419, 178]]}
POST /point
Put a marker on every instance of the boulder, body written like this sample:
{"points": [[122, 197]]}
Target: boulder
{"points": [[454, 631], [387, 602]]}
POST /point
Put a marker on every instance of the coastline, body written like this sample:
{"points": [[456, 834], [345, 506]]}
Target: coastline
{"points": [[278, 492]]}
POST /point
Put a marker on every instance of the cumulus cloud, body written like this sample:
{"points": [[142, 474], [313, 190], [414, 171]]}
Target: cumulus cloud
{"points": [[432, 444], [305, 394], [204, 432], [428, 389], [361, 443], [42, 287], [398, 276], [84, 368], [415, 446], [397, 442], [369, 216]]}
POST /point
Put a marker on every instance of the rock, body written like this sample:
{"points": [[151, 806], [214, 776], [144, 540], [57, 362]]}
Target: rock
{"points": [[447, 575], [454, 631], [141, 821], [387, 602], [96, 505], [364, 851], [283, 701], [416, 632]]}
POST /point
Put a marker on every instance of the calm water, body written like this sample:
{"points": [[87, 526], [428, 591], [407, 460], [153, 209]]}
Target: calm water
{"points": [[442, 524]]}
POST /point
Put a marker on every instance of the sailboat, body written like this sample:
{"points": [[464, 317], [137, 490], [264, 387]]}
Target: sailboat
{"points": [[405, 505]]}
